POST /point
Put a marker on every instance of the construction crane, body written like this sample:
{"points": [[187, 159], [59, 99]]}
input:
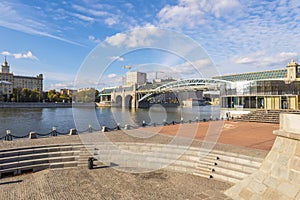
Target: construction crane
{"points": [[127, 67]]}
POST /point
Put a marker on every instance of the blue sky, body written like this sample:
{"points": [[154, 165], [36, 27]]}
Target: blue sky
{"points": [[56, 37]]}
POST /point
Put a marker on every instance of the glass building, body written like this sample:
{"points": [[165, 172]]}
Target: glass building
{"points": [[274, 89]]}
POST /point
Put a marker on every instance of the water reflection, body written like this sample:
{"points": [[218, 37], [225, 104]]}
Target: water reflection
{"points": [[23, 120]]}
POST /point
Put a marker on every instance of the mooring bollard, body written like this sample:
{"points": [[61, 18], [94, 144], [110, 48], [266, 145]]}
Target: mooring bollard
{"points": [[90, 162], [181, 120], [144, 123], [32, 135], [90, 128], [8, 136], [73, 131], [197, 119], [127, 127], [164, 122], [54, 133], [104, 129], [118, 126], [154, 124]]}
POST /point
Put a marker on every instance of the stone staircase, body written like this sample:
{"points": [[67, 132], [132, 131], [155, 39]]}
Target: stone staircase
{"points": [[15, 161], [264, 116], [141, 157], [131, 157]]}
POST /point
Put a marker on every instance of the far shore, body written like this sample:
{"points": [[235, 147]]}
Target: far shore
{"points": [[35, 105]]}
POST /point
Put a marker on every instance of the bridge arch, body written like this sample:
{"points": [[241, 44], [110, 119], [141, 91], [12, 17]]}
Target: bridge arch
{"points": [[128, 101], [118, 102]]}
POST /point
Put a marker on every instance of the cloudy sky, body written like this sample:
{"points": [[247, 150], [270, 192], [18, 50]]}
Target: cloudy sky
{"points": [[56, 37]]}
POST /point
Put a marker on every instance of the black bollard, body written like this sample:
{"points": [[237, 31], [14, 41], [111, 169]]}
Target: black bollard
{"points": [[90, 129], [91, 163], [54, 133], [144, 124]]}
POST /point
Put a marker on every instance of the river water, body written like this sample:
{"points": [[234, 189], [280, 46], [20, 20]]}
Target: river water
{"points": [[23, 120]]}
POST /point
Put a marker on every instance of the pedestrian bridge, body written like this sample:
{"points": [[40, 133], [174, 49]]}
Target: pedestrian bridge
{"points": [[131, 96], [186, 85]]}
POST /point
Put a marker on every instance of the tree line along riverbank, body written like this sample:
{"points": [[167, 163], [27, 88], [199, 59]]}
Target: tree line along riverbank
{"points": [[35, 105]]}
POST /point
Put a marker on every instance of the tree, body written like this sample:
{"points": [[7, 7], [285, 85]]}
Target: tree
{"points": [[51, 96]]}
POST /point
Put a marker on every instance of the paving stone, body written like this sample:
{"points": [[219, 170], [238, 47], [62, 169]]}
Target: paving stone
{"points": [[272, 182], [297, 151], [295, 164], [288, 189], [245, 193], [257, 187]]}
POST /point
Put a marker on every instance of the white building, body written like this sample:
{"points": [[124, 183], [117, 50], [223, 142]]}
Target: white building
{"points": [[138, 78], [9, 81]]}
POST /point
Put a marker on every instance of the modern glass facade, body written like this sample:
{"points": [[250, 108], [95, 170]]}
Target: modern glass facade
{"points": [[264, 94]]}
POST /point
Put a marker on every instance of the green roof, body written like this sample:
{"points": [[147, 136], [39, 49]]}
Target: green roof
{"points": [[279, 74]]}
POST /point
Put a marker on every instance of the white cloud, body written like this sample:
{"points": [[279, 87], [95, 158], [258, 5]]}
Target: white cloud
{"points": [[110, 80], [94, 39], [84, 17], [118, 58], [135, 38], [111, 75], [117, 39], [110, 21], [223, 7], [198, 68], [58, 86], [27, 55], [265, 60], [192, 13], [12, 18]]}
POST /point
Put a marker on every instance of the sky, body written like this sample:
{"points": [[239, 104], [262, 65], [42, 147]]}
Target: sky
{"points": [[59, 38]]}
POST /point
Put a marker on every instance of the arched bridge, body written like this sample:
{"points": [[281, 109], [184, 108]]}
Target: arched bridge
{"points": [[131, 96], [187, 84]]}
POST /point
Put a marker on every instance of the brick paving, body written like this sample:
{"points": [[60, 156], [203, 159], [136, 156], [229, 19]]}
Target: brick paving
{"points": [[108, 183]]}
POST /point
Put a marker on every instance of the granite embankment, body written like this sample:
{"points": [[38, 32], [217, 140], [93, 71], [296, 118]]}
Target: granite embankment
{"points": [[35, 105]]}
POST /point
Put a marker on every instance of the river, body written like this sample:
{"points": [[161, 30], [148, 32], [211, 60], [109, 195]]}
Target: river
{"points": [[23, 120]]}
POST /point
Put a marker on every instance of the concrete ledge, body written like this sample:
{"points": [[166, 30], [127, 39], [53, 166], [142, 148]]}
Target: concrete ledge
{"points": [[290, 135], [279, 175], [290, 123]]}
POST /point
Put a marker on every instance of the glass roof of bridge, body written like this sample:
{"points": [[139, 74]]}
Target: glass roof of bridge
{"points": [[251, 76]]}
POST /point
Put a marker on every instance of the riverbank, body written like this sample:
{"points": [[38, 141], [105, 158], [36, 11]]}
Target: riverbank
{"points": [[35, 105], [45, 105], [107, 182]]}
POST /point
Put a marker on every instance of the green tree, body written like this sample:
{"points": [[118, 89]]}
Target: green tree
{"points": [[51, 96]]}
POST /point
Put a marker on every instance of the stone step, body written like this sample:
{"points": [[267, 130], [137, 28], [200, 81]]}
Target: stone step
{"points": [[230, 172], [37, 147], [203, 172], [225, 177], [237, 166], [36, 162], [38, 151], [37, 156]]}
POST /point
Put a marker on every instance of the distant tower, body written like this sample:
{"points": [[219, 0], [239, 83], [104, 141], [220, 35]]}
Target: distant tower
{"points": [[292, 71], [5, 66]]}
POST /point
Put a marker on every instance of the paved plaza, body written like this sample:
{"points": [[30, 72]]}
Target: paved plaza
{"points": [[109, 183]]}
